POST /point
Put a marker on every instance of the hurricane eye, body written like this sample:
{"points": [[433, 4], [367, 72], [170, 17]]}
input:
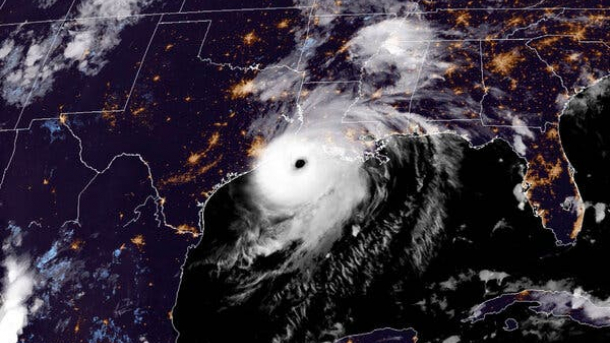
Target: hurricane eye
{"points": [[300, 163]]}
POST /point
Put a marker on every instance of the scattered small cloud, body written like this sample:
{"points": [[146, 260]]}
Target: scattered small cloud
{"points": [[45, 3], [488, 275], [452, 339], [600, 212], [519, 194], [32, 55]]}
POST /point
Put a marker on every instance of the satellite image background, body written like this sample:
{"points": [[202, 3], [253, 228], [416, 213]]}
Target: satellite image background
{"points": [[119, 119]]}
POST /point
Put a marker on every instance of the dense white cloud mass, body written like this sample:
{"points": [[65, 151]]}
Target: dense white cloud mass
{"points": [[399, 44], [90, 40], [343, 118], [324, 189], [17, 287]]}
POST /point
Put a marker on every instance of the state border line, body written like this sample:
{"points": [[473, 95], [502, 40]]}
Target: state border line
{"points": [[156, 14], [124, 108], [254, 9], [29, 96]]}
